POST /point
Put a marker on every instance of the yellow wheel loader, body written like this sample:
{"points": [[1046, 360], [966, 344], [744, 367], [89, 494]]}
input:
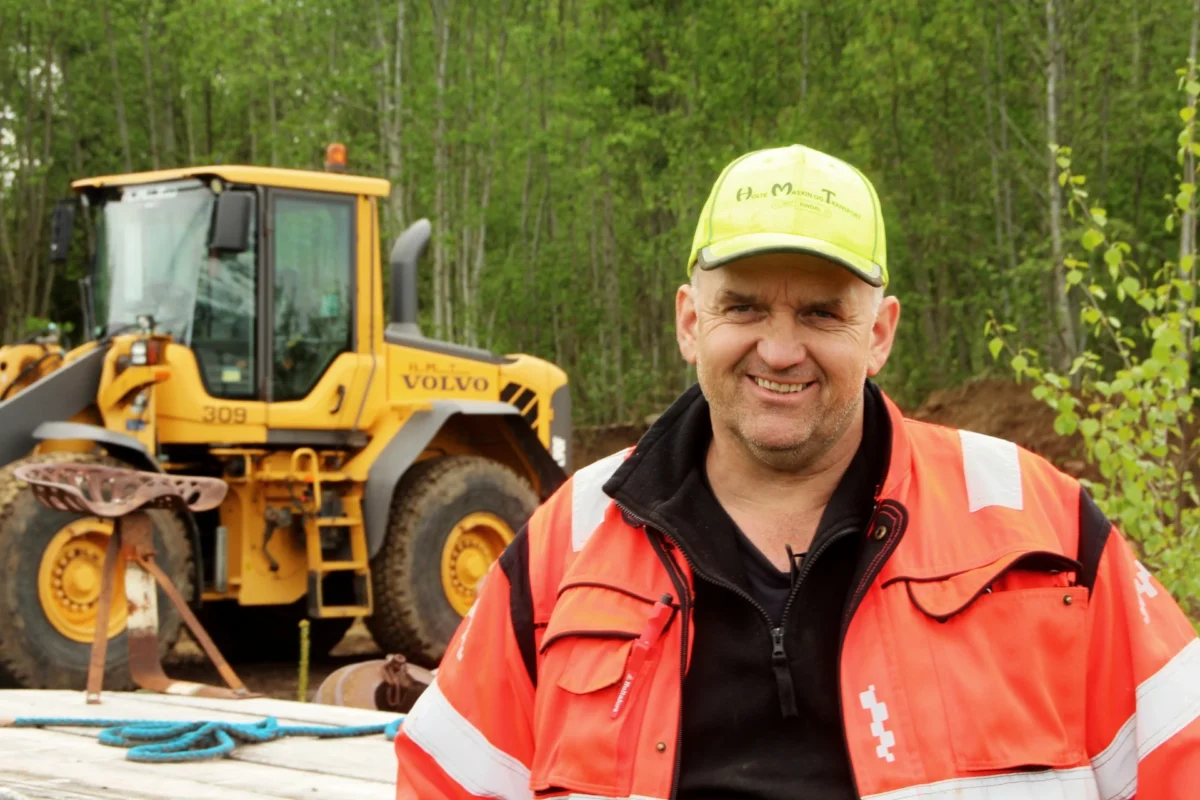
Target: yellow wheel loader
{"points": [[237, 329]]}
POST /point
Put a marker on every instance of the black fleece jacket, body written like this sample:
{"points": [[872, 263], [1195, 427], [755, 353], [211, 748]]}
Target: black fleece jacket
{"points": [[761, 709]]}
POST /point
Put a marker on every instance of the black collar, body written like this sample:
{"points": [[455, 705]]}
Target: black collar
{"points": [[663, 481]]}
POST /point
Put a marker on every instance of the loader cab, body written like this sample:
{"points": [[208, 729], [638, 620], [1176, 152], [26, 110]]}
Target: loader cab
{"points": [[269, 277]]}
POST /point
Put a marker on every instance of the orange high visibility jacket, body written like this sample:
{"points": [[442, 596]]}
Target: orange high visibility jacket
{"points": [[1005, 643]]}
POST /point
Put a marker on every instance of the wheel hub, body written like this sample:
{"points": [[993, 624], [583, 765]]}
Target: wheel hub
{"points": [[69, 580], [474, 543]]}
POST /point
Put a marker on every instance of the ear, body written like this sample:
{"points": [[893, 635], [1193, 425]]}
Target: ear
{"points": [[883, 334], [685, 321]]}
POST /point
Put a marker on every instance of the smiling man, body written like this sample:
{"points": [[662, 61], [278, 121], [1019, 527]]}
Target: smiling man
{"points": [[787, 590]]}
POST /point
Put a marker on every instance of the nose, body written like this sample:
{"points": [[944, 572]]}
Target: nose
{"points": [[781, 346]]}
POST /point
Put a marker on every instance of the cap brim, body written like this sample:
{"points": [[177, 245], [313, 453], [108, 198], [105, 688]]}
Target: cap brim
{"points": [[735, 248]]}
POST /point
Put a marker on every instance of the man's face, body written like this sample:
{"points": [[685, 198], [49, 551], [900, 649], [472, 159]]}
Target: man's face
{"points": [[782, 345]]}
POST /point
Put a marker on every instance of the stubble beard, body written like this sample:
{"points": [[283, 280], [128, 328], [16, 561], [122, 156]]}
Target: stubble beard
{"points": [[815, 437]]}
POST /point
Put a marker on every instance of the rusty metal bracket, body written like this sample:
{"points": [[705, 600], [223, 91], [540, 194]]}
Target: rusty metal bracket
{"points": [[122, 495]]}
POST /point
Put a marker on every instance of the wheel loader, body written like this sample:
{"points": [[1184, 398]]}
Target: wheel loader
{"points": [[236, 328]]}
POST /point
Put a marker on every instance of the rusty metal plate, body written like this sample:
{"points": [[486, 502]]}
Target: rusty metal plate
{"points": [[114, 492]]}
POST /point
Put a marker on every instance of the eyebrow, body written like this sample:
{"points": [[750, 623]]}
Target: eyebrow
{"points": [[734, 297]]}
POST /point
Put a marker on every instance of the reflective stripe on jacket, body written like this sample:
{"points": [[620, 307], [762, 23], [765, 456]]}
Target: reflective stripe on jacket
{"points": [[1004, 642]]}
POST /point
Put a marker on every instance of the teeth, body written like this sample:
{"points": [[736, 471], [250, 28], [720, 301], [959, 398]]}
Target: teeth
{"points": [[783, 388]]}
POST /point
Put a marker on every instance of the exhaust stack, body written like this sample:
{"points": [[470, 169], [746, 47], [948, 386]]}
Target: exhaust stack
{"points": [[403, 261]]}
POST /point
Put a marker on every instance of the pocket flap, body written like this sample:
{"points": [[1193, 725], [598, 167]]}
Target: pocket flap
{"points": [[595, 664], [596, 611], [942, 598]]}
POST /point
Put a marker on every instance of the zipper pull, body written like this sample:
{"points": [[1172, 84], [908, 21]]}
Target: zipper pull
{"points": [[660, 615], [783, 675]]}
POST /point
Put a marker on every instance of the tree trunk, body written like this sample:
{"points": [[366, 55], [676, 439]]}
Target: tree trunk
{"points": [[118, 97], [803, 55], [1062, 337], [189, 125], [273, 121], [441, 11], [169, 121], [148, 68], [1187, 225]]}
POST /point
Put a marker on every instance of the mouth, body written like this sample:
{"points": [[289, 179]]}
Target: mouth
{"points": [[775, 387]]}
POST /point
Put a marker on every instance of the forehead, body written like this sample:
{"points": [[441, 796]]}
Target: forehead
{"points": [[784, 275]]}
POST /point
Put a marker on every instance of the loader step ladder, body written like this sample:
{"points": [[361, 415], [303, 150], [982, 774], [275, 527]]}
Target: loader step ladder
{"points": [[351, 519]]}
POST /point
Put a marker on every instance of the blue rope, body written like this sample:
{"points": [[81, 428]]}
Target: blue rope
{"points": [[164, 741]]}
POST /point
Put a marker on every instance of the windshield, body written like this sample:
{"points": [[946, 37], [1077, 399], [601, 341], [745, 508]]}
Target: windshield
{"points": [[151, 259]]}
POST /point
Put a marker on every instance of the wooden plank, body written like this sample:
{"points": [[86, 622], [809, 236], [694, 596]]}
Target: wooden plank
{"points": [[41, 756], [366, 758], [99, 771]]}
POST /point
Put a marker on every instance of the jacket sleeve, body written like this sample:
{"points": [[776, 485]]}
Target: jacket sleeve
{"points": [[470, 732], [1143, 682]]}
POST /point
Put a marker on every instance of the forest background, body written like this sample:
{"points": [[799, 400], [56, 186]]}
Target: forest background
{"points": [[563, 148]]}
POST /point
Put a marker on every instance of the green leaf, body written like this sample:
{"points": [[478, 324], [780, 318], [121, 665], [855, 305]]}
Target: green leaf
{"points": [[1112, 257], [1186, 114], [1130, 284], [1066, 424], [1089, 427], [1063, 161], [1186, 263], [1187, 188], [1074, 277], [1062, 179], [1170, 223], [1091, 239], [994, 347], [1091, 316], [1019, 364], [1183, 200], [1040, 392], [1192, 88]]}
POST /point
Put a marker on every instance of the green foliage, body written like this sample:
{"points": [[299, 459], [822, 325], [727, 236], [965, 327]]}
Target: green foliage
{"points": [[1130, 394], [598, 127]]}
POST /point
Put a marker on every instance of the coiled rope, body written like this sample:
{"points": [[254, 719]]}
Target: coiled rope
{"points": [[164, 741]]}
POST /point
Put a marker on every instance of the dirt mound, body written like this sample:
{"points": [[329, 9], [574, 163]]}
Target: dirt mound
{"points": [[1007, 410], [595, 442]]}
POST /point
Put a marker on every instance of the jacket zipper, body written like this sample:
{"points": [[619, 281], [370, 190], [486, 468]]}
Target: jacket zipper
{"points": [[860, 591], [685, 606], [783, 675]]}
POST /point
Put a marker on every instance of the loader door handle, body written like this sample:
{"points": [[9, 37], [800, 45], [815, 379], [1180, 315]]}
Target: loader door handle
{"points": [[341, 398]]}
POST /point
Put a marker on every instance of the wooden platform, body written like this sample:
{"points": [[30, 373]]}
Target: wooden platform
{"points": [[70, 764]]}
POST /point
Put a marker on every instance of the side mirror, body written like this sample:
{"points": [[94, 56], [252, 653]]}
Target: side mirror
{"points": [[62, 225], [231, 223]]}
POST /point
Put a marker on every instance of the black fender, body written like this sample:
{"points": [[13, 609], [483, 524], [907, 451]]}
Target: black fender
{"points": [[407, 444], [131, 451]]}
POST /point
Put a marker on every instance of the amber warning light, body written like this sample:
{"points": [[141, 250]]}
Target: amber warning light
{"points": [[335, 157]]}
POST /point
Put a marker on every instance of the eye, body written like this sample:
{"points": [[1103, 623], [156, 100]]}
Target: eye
{"points": [[741, 309], [822, 313]]}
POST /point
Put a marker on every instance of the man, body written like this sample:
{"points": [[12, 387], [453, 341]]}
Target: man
{"points": [[787, 590]]}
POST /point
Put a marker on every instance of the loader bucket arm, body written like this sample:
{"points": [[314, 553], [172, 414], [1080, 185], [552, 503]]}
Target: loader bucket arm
{"points": [[57, 397]]}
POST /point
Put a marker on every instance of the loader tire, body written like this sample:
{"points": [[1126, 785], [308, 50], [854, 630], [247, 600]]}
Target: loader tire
{"points": [[253, 634], [35, 652], [450, 519]]}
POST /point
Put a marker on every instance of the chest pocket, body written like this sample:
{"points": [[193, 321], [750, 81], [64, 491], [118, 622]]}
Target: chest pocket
{"points": [[1008, 642], [590, 705]]}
